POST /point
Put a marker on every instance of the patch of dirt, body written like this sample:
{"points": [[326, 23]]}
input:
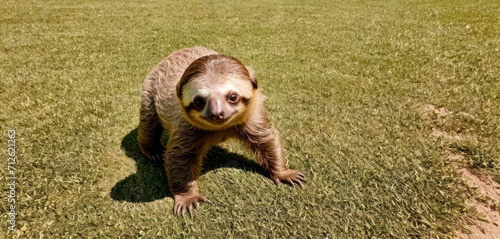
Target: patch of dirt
{"points": [[442, 134], [428, 110], [488, 226]]}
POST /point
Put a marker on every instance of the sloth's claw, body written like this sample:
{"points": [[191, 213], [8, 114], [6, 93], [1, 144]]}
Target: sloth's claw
{"points": [[290, 176], [158, 159], [185, 203]]}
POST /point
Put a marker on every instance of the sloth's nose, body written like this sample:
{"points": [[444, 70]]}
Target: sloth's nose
{"points": [[217, 115], [215, 111]]}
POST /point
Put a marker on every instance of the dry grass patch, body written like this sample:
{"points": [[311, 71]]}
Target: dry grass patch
{"points": [[487, 198]]}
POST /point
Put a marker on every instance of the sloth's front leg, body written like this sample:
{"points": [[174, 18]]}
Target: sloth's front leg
{"points": [[264, 141], [183, 165]]}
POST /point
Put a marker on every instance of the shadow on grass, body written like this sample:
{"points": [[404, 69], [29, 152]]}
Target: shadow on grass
{"points": [[150, 181]]}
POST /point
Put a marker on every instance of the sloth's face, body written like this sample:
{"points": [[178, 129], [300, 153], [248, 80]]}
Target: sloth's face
{"points": [[216, 92], [215, 104]]}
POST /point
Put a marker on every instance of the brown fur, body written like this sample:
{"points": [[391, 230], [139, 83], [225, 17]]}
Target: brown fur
{"points": [[163, 106]]}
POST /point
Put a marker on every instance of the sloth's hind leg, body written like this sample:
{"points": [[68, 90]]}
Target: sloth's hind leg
{"points": [[150, 132]]}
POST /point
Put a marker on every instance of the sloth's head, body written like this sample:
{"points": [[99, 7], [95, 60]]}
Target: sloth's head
{"points": [[217, 92]]}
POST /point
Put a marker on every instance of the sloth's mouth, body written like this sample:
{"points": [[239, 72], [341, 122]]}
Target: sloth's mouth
{"points": [[218, 121]]}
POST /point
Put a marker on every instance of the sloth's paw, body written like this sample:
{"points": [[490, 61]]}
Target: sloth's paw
{"points": [[186, 201], [158, 158], [290, 176]]}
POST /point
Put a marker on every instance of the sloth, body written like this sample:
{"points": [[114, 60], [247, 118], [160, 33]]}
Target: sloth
{"points": [[202, 98]]}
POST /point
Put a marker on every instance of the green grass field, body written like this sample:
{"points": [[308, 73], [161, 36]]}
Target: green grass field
{"points": [[349, 85]]}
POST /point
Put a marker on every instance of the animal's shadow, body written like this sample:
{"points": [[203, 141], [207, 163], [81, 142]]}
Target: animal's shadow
{"points": [[150, 182]]}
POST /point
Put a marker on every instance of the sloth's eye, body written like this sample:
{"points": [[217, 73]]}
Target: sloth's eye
{"points": [[199, 102], [233, 98]]}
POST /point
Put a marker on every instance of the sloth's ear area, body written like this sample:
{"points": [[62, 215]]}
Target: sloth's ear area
{"points": [[253, 79], [179, 89]]}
